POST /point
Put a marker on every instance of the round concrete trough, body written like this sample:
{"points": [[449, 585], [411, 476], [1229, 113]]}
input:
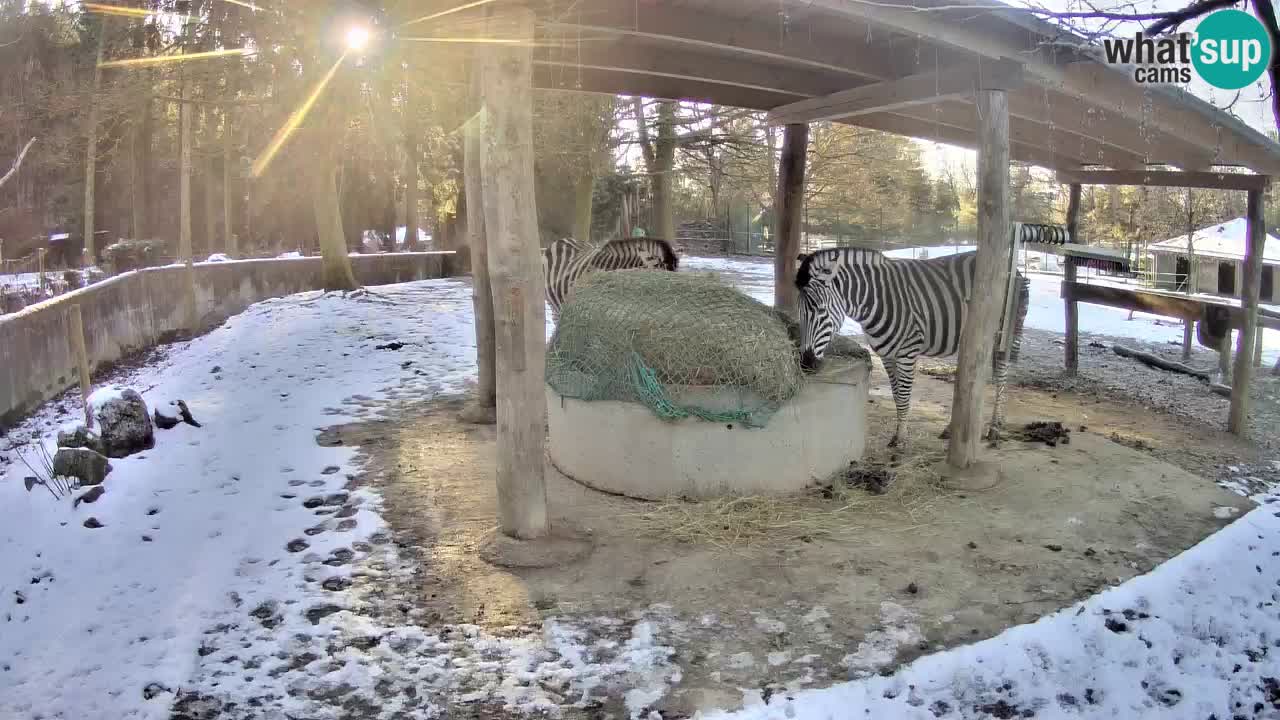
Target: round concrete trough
{"points": [[624, 448]]}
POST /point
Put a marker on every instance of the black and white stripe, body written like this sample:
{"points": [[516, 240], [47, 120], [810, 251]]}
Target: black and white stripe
{"points": [[907, 308], [565, 261]]}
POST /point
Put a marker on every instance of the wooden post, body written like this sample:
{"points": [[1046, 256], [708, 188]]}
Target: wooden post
{"points": [[481, 291], [40, 269], [75, 324], [1188, 326], [983, 310], [515, 272], [1238, 419], [1071, 347], [787, 215], [1224, 359]]}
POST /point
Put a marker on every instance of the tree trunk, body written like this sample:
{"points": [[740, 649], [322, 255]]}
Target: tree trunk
{"points": [[91, 155], [481, 290], [583, 191], [336, 271], [787, 216], [210, 187], [982, 315], [139, 170], [184, 169], [410, 173], [663, 173], [1188, 326], [230, 244], [511, 222]]}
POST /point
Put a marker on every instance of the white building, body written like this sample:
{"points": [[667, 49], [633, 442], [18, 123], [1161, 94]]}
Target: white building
{"points": [[1217, 258]]}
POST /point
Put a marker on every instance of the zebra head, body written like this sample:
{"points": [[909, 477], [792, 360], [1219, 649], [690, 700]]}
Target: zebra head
{"points": [[821, 310]]}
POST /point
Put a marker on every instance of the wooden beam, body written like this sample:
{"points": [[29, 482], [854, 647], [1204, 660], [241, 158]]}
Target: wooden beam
{"points": [[515, 271], [638, 57], [787, 212], [852, 56], [1071, 348], [1170, 111], [1167, 178], [1030, 134], [1069, 113], [892, 95], [977, 338], [1238, 417], [623, 81], [960, 137]]}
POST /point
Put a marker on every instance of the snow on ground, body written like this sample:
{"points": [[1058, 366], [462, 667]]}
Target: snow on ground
{"points": [[1196, 638], [1045, 312], [220, 565]]}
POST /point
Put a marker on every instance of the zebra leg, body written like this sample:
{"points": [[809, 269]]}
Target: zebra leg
{"points": [[901, 379], [1001, 362]]}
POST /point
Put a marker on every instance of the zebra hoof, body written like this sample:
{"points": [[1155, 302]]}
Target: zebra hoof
{"points": [[945, 434], [895, 441], [994, 436]]}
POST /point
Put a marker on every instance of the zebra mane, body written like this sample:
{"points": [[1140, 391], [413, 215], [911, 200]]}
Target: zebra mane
{"points": [[852, 255], [670, 261]]}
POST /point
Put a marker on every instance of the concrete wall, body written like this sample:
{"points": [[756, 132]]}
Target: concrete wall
{"points": [[624, 448], [139, 309]]}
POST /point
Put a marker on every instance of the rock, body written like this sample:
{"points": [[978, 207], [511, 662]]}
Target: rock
{"points": [[163, 421], [92, 523], [91, 496], [87, 466], [125, 425], [81, 437]]}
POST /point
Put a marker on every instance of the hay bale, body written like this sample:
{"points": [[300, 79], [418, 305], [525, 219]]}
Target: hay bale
{"points": [[652, 337]]}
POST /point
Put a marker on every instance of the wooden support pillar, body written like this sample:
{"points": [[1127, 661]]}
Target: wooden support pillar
{"points": [[1071, 347], [1257, 348], [788, 207], [515, 271], [1224, 359], [1238, 418], [982, 314], [481, 292]]}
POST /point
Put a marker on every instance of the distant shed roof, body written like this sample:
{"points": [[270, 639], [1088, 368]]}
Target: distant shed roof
{"points": [[1073, 110], [1225, 240]]}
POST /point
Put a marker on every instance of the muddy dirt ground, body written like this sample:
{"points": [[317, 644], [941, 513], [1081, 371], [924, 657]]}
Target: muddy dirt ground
{"points": [[915, 573]]}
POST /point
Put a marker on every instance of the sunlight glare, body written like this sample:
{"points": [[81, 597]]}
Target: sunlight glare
{"points": [[165, 59], [357, 38], [295, 119]]}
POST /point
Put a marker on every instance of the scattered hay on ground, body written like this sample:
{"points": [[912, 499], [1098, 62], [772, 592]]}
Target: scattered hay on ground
{"points": [[905, 492]]}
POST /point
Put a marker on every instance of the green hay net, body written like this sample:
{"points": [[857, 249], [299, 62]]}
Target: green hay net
{"points": [[682, 344]]}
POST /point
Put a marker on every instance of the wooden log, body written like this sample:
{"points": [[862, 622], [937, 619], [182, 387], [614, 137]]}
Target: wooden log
{"points": [[788, 209], [75, 325], [1220, 389], [1160, 363], [515, 271], [983, 310], [481, 291], [1238, 418]]}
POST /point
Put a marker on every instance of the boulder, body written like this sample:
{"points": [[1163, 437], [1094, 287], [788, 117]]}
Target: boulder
{"points": [[125, 425], [81, 437], [87, 466]]}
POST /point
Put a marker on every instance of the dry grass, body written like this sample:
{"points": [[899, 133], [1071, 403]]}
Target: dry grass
{"points": [[910, 497]]}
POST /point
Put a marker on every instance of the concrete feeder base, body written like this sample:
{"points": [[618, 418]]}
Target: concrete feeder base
{"points": [[624, 448]]}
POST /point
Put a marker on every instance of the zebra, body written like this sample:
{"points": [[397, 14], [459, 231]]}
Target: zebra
{"points": [[907, 308], [565, 261]]}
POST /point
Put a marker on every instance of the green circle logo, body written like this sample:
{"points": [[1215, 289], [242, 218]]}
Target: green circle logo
{"points": [[1232, 49]]}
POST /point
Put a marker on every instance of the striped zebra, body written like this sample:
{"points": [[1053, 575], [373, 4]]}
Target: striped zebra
{"points": [[907, 308], [565, 261]]}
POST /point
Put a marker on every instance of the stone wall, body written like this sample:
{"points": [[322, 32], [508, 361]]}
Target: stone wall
{"points": [[136, 310]]}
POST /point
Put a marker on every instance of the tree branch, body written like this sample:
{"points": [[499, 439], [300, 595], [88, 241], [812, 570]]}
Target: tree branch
{"points": [[1267, 14], [17, 163], [1194, 10]]}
